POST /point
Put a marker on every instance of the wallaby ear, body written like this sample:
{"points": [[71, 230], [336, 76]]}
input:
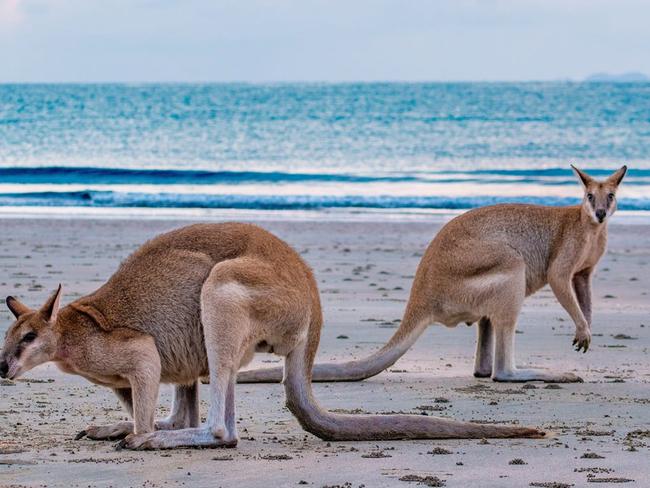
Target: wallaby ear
{"points": [[584, 177], [51, 307], [617, 177], [16, 306]]}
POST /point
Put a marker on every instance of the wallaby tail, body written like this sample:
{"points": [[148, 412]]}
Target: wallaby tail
{"points": [[339, 427], [404, 337]]}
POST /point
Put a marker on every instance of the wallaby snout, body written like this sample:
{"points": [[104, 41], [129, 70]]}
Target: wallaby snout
{"points": [[601, 213]]}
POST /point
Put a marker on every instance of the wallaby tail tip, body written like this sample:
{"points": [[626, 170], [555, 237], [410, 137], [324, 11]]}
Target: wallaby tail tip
{"points": [[531, 432], [538, 434], [517, 432], [546, 434]]}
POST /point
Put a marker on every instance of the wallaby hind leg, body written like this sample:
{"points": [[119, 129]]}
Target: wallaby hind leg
{"points": [[501, 308], [484, 349], [231, 423], [226, 322], [504, 368], [185, 409]]}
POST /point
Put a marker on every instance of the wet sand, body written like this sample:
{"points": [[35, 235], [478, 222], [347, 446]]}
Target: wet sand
{"points": [[601, 428]]}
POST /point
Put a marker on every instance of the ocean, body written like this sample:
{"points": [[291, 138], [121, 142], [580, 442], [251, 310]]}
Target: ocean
{"points": [[313, 146]]}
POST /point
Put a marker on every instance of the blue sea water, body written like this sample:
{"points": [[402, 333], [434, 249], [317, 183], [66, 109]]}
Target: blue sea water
{"points": [[319, 146]]}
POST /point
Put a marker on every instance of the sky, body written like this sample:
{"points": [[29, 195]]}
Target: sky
{"points": [[320, 40]]}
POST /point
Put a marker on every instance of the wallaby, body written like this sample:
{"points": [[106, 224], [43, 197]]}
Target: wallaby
{"points": [[200, 301], [481, 266]]}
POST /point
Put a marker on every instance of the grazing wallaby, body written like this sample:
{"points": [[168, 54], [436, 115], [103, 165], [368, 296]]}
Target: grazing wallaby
{"points": [[481, 266], [200, 301]]}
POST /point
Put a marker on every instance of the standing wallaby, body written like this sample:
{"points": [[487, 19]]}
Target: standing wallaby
{"points": [[481, 266], [200, 301]]}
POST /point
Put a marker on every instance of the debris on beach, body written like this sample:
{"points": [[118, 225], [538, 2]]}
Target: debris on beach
{"points": [[424, 480]]}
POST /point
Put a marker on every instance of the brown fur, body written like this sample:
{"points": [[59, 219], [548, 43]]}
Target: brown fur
{"points": [[193, 302], [480, 268]]}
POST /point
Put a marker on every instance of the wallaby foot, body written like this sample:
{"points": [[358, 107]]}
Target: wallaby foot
{"points": [[504, 355], [522, 375], [196, 437]]}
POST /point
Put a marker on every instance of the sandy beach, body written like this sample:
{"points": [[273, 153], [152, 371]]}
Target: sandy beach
{"points": [[600, 428]]}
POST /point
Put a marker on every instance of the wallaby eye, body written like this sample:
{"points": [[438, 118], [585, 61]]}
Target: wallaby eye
{"points": [[29, 337], [590, 196], [611, 196]]}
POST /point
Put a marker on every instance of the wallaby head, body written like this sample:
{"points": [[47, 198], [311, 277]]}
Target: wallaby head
{"points": [[31, 340], [600, 196]]}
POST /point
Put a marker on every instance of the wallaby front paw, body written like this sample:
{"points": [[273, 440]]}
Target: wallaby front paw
{"points": [[582, 340], [106, 432]]}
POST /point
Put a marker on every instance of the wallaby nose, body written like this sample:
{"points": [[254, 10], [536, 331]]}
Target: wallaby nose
{"points": [[4, 369], [600, 214]]}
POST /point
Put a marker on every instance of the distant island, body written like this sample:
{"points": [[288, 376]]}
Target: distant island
{"points": [[631, 77]]}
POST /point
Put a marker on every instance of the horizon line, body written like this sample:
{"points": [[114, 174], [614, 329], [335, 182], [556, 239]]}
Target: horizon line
{"points": [[312, 82]]}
